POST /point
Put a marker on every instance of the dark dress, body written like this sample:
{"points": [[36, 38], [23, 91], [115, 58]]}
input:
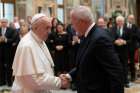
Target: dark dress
{"points": [[61, 56]]}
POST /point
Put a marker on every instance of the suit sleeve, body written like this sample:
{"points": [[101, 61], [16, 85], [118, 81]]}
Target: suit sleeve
{"points": [[109, 61], [73, 73]]}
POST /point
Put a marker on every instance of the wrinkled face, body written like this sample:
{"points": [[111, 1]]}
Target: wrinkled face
{"points": [[4, 23], [77, 25], [120, 22], [44, 28], [131, 19]]}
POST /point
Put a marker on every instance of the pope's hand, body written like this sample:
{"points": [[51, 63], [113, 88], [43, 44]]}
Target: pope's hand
{"points": [[2, 39], [65, 82]]}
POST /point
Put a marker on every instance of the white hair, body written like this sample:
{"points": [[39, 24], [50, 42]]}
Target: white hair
{"points": [[82, 13], [119, 18], [131, 15]]}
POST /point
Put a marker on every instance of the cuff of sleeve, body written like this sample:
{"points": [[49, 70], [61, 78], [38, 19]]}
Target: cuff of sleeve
{"points": [[69, 77], [58, 82]]}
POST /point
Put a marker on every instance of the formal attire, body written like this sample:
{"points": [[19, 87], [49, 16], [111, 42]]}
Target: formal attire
{"points": [[73, 46], [61, 56], [132, 46], [98, 68], [50, 41], [33, 67], [6, 55], [122, 50]]}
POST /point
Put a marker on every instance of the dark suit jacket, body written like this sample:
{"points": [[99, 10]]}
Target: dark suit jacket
{"points": [[10, 34], [134, 36], [6, 47], [121, 50], [98, 67]]}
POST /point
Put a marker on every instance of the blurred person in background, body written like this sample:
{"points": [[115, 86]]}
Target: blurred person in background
{"points": [[120, 36], [7, 37], [61, 45], [133, 45]]}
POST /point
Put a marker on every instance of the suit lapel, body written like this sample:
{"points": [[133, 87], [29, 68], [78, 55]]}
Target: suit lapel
{"points": [[6, 33], [84, 46]]}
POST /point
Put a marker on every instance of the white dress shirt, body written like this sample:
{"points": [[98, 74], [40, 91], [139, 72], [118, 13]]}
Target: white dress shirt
{"points": [[3, 31]]}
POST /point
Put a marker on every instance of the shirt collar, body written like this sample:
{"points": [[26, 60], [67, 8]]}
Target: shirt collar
{"points": [[36, 38], [89, 28]]}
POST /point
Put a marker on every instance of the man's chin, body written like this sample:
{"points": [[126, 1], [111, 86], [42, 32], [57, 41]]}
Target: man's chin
{"points": [[45, 38]]}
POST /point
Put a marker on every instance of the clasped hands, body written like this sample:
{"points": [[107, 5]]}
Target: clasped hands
{"points": [[120, 42], [59, 47], [2, 39], [65, 81], [75, 40]]}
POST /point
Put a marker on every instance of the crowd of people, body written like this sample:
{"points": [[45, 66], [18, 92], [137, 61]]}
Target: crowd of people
{"points": [[99, 56]]}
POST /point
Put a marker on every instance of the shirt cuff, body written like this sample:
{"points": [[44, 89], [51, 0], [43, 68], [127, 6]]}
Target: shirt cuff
{"points": [[69, 77]]}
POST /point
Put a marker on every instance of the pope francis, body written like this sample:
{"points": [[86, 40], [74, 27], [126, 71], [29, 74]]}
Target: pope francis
{"points": [[33, 65]]}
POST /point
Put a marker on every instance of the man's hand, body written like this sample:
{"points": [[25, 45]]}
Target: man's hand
{"points": [[65, 81], [120, 42], [59, 47], [2, 39]]}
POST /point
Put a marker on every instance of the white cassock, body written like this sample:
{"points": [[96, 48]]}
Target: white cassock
{"points": [[33, 67]]}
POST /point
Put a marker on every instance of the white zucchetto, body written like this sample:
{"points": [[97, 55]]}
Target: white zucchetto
{"points": [[36, 17]]}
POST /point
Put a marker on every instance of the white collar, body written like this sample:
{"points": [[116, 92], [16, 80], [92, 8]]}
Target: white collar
{"points": [[89, 28], [36, 38]]}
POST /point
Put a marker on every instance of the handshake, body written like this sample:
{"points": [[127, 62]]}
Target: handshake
{"points": [[65, 81]]}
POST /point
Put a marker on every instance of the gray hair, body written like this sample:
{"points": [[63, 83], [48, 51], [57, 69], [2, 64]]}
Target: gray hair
{"points": [[82, 13], [131, 15], [4, 19], [120, 18]]}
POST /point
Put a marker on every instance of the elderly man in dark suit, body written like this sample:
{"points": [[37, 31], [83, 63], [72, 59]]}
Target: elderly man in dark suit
{"points": [[7, 37], [98, 68], [133, 44], [120, 36]]}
